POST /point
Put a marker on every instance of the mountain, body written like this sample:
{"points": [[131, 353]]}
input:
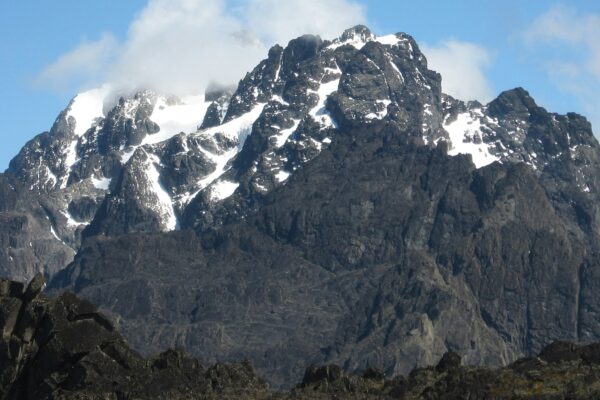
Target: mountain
{"points": [[335, 207], [64, 348]]}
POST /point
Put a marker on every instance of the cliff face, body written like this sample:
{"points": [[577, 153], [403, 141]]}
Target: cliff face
{"points": [[378, 252], [337, 207]]}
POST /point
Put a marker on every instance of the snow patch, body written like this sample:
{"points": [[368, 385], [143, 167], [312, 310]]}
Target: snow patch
{"points": [[173, 119], [427, 110], [50, 177], [278, 71], [71, 221], [284, 134], [102, 183], [358, 41], [467, 127], [282, 176], [260, 187], [280, 100], [395, 67], [237, 129], [379, 114], [127, 155], [319, 112], [70, 160], [220, 161], [165, 204], [86, 107], [390, 40], [222, 190], [53, 232]]}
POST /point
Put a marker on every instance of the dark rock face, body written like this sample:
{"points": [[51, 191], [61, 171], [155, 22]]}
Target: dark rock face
{"points": [[391, 251], [64, 348], [128, 123], [133, 205], [279, 320], [215, 114], [27, 242]]}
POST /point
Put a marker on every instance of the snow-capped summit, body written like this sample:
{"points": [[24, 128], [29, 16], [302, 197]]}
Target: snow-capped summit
{"points": [[86, 108]]}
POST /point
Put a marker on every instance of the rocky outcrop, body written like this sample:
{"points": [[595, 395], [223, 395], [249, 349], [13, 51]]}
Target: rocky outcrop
{"points": [[63, 348], [562, 371]]}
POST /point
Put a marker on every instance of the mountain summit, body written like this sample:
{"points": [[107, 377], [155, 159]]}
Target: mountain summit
{"points": [[335, 207]]}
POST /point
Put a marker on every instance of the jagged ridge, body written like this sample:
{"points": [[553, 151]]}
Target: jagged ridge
{"points": [[171, 162]]}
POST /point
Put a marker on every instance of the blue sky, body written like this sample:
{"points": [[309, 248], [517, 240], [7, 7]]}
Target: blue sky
{"points": [[50, 50]]}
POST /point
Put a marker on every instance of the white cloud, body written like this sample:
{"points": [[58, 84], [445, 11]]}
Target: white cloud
{"points": [[462, 66], [567, 46], [279, 21], [179, 46], [564, 24], [81, 66]]}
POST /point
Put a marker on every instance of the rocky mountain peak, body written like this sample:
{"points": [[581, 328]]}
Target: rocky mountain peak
{"points": [[358, 32], [517, 101], [248, 141], [337, 188]]}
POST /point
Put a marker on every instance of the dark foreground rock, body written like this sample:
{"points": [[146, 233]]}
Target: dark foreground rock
{"points": [[63, 348]]}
